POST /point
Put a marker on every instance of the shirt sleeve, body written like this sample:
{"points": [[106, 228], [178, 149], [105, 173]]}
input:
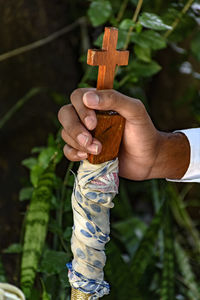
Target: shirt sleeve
{"points": [[193, 172]]}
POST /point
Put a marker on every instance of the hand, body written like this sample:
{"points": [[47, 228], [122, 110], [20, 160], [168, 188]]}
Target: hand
{"points": [[145, 152]]}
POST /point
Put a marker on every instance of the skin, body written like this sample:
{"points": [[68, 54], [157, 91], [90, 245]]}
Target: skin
{"points": [[145, 152]]}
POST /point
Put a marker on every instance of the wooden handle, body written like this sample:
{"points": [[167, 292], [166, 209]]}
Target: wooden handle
{"points": [[109, 132], [110, 125]]}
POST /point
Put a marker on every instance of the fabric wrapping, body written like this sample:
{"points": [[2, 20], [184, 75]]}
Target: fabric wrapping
{"points": [[94, 189]]}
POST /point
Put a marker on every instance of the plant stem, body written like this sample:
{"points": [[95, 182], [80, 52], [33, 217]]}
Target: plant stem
{"points": [[177, 20], [63, 193], [122, 10], [18, 105], [134, 19], [43, 41]]}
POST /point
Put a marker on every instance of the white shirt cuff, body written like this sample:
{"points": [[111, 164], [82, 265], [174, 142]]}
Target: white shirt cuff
{"points": [[193, 172]]}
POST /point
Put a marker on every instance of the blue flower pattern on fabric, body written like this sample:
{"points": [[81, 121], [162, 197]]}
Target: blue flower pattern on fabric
{"points": [[95, 187]]}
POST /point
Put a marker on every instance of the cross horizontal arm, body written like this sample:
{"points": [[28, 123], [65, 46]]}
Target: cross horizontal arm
{"points": [[96, 57], [122, 58]]}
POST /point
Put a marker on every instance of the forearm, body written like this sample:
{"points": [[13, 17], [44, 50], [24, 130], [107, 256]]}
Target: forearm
{"points": [[173, 156]]}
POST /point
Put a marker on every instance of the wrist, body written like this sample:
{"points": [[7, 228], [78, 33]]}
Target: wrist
{"points": [[173, 156]]}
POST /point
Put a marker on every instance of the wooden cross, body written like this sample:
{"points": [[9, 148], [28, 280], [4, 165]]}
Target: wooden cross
{"points": [[110, 125], [107, 59]]}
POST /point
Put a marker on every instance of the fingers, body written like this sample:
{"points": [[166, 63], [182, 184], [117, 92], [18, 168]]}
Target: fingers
{"points": [[79, 140], [93, 148], [87, 116], [74, 155], [73, 127]]}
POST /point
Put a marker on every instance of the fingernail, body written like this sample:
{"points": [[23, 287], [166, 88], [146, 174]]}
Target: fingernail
{"points": [[94, 148], [82, 154], [91, 99], [89, 122], [82, 139]]}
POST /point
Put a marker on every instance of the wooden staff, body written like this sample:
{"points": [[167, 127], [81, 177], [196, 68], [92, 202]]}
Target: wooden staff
{"points": [[110, 124]]}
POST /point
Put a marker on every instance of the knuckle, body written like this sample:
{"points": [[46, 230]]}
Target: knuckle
{"points": [[74, 95], [140, 105], [77, 94], [63, 111], [68, 152], [108, 98]]}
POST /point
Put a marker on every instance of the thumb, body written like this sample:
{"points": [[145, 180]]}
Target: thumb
{"points": [[127, 107]]}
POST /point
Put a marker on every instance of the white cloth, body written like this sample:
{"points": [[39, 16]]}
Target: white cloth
{"points": [[10, 292], [95, 187], [193, 172]]}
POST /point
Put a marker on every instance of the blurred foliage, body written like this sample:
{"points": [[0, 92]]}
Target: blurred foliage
{"points": [[155, 245]]}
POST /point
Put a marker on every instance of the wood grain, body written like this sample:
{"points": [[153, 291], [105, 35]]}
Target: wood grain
{"points": [[110, 125]]}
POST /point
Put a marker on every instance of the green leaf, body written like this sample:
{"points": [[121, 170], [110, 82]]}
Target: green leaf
{"points": [[63, 276], [130, 237], [195, 46], [149, 39], [2, 272], [36, 172], [29, 162], [46, 156], [146, 248], [168, 273], [99, 12], [152, 21], [126, 24], [37, 149], [185, 26], [53, 262], [182, 216], [45, 295], [14, 248], [142, 69], [55, 228], [117, 273], [142, 53], [67, 234], [122, 36], [25, 193], [188, 276]]}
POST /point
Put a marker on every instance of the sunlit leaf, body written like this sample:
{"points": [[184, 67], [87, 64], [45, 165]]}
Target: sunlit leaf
{"points": [[153, 21]]}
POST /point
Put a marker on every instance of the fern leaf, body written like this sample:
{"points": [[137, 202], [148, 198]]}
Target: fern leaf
{"points": [[36, 227]]}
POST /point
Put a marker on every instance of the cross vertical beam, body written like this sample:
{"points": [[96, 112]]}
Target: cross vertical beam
{"points": [[107, 59]]}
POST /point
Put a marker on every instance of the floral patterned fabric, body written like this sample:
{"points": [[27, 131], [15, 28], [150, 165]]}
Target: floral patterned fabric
{"points": [[94, 189]]}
